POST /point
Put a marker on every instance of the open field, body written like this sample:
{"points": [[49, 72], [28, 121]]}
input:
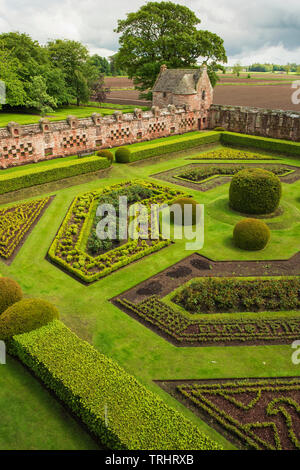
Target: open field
{"points": [[139, 349], [272, 91]]}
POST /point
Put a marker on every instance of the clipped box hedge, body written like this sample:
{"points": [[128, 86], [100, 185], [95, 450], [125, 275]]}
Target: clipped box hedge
{"points": [[262, 143], [26, 178], [183, 142], [112, 403]]}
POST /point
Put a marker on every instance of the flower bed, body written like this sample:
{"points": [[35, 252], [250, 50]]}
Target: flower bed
{"points": [[68, 251], [181, 330], [231, 154], [202, 174], [218, 295], [258, 414], [15, 223]]}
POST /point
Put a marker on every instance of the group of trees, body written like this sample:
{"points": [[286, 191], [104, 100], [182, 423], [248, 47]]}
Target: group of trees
{"points": [[46, 76], [274, 68]]}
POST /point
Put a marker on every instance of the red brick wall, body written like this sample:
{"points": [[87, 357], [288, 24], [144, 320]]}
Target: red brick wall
{"points": [[46, 140]]}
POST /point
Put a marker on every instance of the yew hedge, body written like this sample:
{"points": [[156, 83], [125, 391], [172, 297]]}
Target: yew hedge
{"points": [[25, 178], [120, 411]]}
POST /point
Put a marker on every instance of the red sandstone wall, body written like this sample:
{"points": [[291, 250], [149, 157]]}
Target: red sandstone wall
{"points": [[47, 140], [275, 124]]}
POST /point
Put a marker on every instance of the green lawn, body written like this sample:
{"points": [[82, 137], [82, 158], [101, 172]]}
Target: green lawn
{"points": [[62, 113], [88, 311]]}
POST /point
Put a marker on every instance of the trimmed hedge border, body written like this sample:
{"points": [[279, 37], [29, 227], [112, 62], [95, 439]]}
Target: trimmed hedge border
{"points": [[183, 142], [35, 176], [263, 143], [120, 411]]}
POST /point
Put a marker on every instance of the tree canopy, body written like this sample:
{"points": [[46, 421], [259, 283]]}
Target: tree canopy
{"points": [[165, 33]]}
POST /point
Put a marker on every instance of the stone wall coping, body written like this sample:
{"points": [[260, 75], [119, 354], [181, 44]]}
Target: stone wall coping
{"points": [[29, 129], [248, 109]]}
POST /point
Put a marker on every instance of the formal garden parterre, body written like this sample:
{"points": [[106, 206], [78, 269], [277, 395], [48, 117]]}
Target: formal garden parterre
{"points": [[242, 309]]}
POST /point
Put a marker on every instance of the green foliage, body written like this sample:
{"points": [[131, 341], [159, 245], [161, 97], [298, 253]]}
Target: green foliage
{"points": [[136, 417], [54, 172], [200, 174], [263, 143], [255, 191], [26, 315], [165, 33], [123, 155], [183, 202], [219, 129], [106, 154], [10, 293], [251, 234], [182, 329], [68, 250], [38, 97], [15, 221], [220, 295], [230, 154], [73, 59], [23, 60], [183, 142]]}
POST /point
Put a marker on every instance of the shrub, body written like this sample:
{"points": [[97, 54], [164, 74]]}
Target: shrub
{"points": [[10, 293], [183, 201], [26, 315], [25, 178], [263, 143], [137, 417], [255, 191], [123, 155], [106, 154], [251, 234], [219, 129], [172, 144]]}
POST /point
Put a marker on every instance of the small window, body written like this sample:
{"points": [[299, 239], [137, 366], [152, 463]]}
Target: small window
{"points": [[164, 94], [203, 95]]}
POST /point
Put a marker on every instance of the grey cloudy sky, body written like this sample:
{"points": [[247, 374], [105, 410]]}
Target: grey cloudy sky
{"points": [[253, 31]]}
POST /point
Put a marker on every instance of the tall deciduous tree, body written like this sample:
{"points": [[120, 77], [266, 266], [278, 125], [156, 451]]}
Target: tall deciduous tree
{"points": [[165, 33], [72, 58]]}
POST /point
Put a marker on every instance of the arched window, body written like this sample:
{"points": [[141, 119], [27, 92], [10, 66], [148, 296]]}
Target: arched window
{"points": [[203, 94]]}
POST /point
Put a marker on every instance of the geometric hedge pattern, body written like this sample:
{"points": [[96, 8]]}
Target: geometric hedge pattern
{"points": [[262, 414]]}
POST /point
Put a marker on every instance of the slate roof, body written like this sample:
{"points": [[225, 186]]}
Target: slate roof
{"points": [[178, 81]]}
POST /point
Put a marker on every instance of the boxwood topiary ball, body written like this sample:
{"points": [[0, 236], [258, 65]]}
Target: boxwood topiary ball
{"points": [[123, 155], [10, 293], [106, 154], [251, 234], [186, 201], [26, 315], [255, 191]]}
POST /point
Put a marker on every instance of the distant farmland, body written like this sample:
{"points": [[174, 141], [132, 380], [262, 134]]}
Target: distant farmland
{"points": [[262, 90]]}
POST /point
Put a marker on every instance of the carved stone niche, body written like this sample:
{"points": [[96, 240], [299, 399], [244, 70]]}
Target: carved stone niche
{"points": [[14, 128], [156, 111], [72, 121], [44, 125], [138, 114], [171, 108], [96, 119], [118, 116], [187, 107]]}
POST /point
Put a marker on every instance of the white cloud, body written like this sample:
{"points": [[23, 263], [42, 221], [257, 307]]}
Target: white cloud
{"points": [[252, 31]]}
